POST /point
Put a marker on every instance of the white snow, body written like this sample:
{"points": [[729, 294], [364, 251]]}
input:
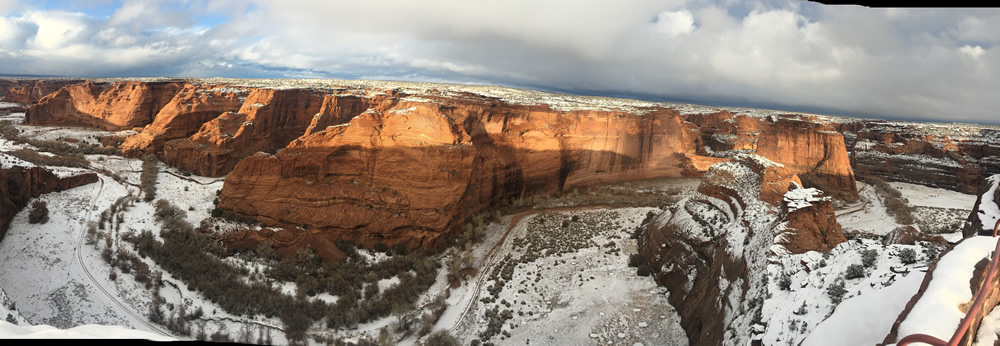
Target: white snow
{"points": [[802, 198], [989, 212], [87, 331], [937, 312], [923, 196]]}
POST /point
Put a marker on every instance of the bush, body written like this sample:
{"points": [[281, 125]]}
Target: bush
{"points": [[855, 271], [908, 256], [643, 270], [635, 260], [785, 282], [868, 257], [39, 213], [147, 180], [836, 291], [441, 338]]}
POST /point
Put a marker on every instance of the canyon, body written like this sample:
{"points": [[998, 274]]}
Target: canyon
{"points": [[384, 164]]}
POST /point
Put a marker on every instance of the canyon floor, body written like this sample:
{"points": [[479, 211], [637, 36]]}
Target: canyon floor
{"points": [[552, 273]]}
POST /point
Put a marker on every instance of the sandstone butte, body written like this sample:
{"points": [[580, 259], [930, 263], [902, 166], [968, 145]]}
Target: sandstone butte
{"points": [[371, 165]]}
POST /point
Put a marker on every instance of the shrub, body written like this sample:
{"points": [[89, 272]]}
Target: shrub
{"points": [[441, 338], [147, 180], [643, 270], [836, 291], [39, 212], [908, 256], [635, 260], [785, 282], [868, 257], [855, 271]]}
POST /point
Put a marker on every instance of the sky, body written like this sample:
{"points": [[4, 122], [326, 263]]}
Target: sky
{"points": [[911, 64]]}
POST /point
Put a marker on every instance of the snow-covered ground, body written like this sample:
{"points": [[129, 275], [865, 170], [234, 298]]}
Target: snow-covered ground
{"points": [[88, 331], [923, 196], [581, 294], [806, 312]]}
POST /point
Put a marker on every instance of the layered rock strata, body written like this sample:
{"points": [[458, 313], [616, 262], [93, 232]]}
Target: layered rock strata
{"points": [[18, 185], [710, 250]]}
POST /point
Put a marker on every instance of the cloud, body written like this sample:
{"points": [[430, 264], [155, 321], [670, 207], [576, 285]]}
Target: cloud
{"points": [[915, 63], [674, 23]]}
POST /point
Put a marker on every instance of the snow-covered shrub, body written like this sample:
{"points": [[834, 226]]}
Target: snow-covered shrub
{"points": [[785, 282], [868, 257], [39, 213], [908, 256], [836, 291], [855, 271]]}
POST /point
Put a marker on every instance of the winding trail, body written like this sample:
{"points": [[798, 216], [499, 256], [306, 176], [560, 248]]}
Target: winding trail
{"points": [[492, 255], [79, 257]]}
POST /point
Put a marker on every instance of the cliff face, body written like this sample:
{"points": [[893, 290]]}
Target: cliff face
{"points": [[18, 185], [811, 223], [267, 121], [30, 91], [710, 249], [415, 171], [383, 165], [110, 106], [952, 156], [191, 107], [813, 150], [986, 211]]}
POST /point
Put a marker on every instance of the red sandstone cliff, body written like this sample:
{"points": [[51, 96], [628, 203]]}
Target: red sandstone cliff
{"points": [[191, 107], [814, 150], [18, 185], [413, 172], [442, 156], [811, 223], [111, 106], [30, 91], [267, 121]]}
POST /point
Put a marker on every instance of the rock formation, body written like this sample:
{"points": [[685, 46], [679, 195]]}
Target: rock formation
{"points": [[30, 91], [814, 150], [413, 172], [384, 165], [710, 249], [986, 211], [110, 106], [18, 185], [191, 107], [811, 223], [949, 156]]}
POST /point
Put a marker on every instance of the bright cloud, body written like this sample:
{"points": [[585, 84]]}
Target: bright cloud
{"points": [[918, 63]]}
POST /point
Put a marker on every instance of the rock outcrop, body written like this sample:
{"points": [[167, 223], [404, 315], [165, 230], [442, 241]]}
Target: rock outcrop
{"points": [[811, 223], [18, 185], [110, 106], [814, 150], [267, 121], [949, 156], [412, 173], [28, 92], [986, 212], [710, 250], [383, 165], [191, 107]]}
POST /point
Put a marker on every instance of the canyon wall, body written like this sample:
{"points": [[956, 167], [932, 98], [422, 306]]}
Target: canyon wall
{"points": [[710, 250], [110, 106], [374, 165], [18, 185], [29, 91], [949, 156]]}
